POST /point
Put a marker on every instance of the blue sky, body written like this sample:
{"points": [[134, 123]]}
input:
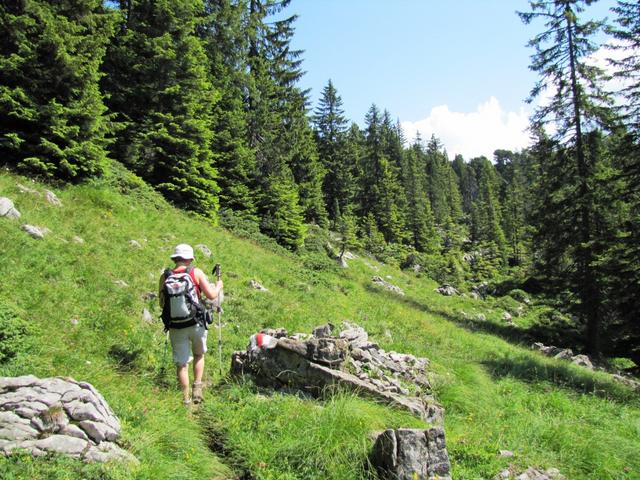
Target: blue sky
{"points": [[458, 69]]}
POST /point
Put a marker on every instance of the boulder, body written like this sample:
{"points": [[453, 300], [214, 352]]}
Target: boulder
{"points": [[7, 209], [204, 249], [57, 415], [411, 454], [447, 290], [52, 198], [582, 361], [35, 232]]}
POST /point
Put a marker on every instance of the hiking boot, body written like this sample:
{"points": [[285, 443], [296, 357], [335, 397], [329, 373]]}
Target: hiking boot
{"points": [[196, 392]]}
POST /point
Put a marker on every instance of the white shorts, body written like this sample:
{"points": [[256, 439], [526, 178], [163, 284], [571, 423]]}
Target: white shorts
{"points": [[184, 341]]}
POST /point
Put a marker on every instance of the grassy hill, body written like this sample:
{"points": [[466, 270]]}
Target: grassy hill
{"points": [[64, 311]]}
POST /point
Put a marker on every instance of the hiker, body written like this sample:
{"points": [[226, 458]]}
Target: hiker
{"points": [[187, 327]]}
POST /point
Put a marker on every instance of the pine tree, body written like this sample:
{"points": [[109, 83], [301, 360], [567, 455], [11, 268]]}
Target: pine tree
{"points": [[53, 120], [578, 103], [158, 82]]}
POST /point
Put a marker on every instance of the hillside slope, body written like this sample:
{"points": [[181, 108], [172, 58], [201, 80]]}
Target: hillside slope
{"points": [[84, 323]]}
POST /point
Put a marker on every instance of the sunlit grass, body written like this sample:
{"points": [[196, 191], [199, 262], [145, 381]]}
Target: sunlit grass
{"points": [[499, 395]]}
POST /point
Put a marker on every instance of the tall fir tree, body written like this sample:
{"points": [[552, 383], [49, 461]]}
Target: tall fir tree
{"points": [[158, 86], [331, 138], [578, 104], [278, 127], [53, 121], [225, 42], [420, 222], [380, 186]]}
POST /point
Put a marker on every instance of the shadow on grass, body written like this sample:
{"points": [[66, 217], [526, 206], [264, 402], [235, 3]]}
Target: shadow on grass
{"points": [[512, 334], [531, 370], [524, 367]]}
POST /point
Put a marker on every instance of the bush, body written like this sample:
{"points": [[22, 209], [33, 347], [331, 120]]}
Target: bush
{"points": [[14, 333]]}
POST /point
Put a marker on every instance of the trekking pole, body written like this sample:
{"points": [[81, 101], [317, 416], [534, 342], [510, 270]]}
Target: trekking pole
{"points": [[164, 355], [218, 273]]}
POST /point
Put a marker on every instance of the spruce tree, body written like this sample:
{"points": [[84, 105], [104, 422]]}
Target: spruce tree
{"points": [[53, 120], [224, 38], [158, 85], [420, 222], [578, 104], [331, 138], [380, 186], [627, 68]]}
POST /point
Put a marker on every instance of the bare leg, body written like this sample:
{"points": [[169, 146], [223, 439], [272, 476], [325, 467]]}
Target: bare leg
{"points": [[183, 380], [198, 370]]}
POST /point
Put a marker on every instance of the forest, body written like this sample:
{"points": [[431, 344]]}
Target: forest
{"points": [[201, 99]]}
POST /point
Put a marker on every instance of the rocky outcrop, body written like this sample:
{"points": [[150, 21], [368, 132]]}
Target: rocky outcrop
{"points": [[386, 285], [564, 354], [410, 454], [349, 360], [447, 290], [58, 415]]}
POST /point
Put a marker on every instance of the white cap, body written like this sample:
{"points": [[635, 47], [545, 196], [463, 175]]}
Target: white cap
{"points": [[183, 251]]}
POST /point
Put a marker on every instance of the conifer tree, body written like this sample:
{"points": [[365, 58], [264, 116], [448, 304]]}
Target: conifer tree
{"points": [[53, 120], [627, 68], [578, 104], [158, 85], [278, 129], [420, 223], [331, 137], [380, 186], [225, 43]]}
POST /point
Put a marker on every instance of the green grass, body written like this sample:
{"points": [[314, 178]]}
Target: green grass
{"points": [[499, 395]]}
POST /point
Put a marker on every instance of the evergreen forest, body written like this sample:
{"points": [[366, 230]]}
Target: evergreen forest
{"points": [[201, 99]]}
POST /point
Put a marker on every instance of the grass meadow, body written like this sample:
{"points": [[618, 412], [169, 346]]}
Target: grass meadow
{"points": [[70, 314]]}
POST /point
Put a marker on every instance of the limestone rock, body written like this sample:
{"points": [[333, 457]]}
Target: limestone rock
{"points": [[52, 198], [35, 232], [25, 189], [7, 209], [349, 361], [134, 244], [147, 317], [323, 331], [387, 286], [257, 286], [531, 473], [204, 249], [57, 415], [411, 454], [582, 361], [447, 290]]}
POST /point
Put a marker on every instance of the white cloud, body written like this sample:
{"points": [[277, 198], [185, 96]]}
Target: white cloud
{"points": [[472, 134]]}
